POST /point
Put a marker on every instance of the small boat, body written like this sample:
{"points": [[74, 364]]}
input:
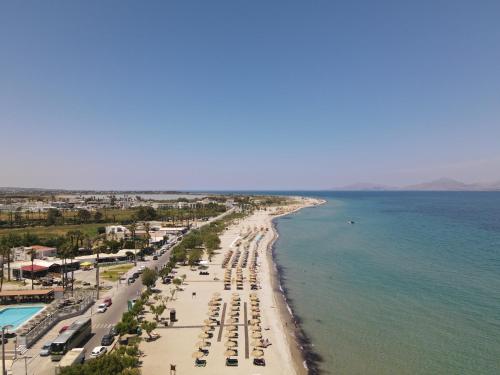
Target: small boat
{"points": [[350, 222]]}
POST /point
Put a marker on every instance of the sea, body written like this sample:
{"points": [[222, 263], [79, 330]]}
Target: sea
{"points": [[411, 287]]}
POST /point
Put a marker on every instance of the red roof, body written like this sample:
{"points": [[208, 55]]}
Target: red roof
{"points": [[35, 268]]}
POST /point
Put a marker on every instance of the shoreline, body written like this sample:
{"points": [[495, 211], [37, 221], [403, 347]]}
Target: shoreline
{"points": [[305, 359]]}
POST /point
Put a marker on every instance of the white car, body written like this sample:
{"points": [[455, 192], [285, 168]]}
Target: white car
{"points": [[98, 351], [102, 308]]}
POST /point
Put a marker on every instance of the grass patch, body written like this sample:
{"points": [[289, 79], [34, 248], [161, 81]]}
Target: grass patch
{"points": [[113, 273], [53, 231]]}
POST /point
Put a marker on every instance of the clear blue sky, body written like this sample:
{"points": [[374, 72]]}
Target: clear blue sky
{"points": [[248, 94]]}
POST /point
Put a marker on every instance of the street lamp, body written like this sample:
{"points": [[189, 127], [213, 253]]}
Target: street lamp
{"points": [[7, 326]]}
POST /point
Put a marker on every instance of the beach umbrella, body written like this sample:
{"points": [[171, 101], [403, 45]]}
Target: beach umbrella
{"points": [[208, 322], [229, 353], [206, 328], [197, 355], [232, 321], [201, 344], [231, 328], [257, 353], [255, 328], [256, 343], [256, 335], [230, 344], [234, 313], [253, 294], [203, 335], [235, 308], [231, 334], [235, 294], [254, 321]]}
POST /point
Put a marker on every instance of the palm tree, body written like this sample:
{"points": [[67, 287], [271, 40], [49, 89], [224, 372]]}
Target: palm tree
{"points": [[32, 254], [132, 228], [98, 247]]}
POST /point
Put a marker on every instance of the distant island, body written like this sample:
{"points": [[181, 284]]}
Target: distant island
{"points": [[442, 184]]}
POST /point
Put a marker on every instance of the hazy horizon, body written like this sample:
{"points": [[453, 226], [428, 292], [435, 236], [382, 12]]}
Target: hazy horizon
{"points": [[248, 96]]}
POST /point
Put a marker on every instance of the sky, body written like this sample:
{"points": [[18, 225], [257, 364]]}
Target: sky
{"points": [[248, 94]]}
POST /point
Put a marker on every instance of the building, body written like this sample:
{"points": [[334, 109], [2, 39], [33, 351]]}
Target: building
{"points": [[41, 252]]}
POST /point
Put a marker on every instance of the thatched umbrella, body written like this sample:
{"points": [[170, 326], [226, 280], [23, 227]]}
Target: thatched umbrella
{"points": [[235, 294], [254, 321], [231, 334], [229, 353], [257, 353], [203, 335], [256, 327], [256, 343], [197, 355], [202, 344], [256, 335], [232, 321], [234, 313], [235, 308], [231, 327], [208, 322], [230, 344]]}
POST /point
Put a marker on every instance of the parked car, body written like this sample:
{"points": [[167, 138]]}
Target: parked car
{"points": [[45, 351], [107, 340], [98, 351], [155, 257], [102, 308], [113, 331], [63, 328], [108, 301], [131, 280]]}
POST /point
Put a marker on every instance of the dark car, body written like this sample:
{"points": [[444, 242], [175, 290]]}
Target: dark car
{"points": [[131, 280], [155, 257], [113, 331], [107, 340]]}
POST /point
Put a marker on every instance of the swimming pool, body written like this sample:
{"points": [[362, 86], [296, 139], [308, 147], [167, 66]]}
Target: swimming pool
{"points": [[17, 315]]}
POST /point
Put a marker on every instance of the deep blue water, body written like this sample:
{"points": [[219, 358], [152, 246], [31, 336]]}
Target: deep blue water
{"points": [[413, 287]]}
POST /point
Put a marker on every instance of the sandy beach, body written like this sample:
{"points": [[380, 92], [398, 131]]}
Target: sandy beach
{"points": [[212, 318]]}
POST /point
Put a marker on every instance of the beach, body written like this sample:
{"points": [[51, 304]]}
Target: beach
{"points": [[262, 327]]}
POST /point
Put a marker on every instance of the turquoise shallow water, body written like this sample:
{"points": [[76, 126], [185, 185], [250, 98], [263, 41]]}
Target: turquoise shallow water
{"points": [[413, 287], [15, 316]]}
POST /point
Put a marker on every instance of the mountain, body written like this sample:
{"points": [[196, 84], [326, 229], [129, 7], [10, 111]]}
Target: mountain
{"points": [[441, 184]]}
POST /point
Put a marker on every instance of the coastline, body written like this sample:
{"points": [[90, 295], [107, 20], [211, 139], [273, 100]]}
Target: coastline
{"points": [[287, 350], [305, 359]]}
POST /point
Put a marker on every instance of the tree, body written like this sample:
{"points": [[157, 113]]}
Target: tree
{"points": [[145, 213], [32, 254], [149, 278], [148, 327], [157, 310], [13, 240], [128, 324], [84, 215], [98, 216], [194, 256], [53, 216]]}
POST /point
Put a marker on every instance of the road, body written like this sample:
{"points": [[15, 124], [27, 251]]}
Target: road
{"points": [[101, 322]]}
